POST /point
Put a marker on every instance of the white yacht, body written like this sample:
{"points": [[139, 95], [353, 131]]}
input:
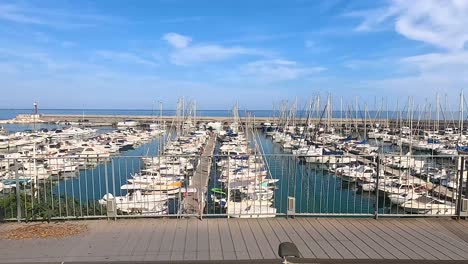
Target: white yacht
{"points": [[136, 202], [429, 205], [4, 142], [127, 123]]}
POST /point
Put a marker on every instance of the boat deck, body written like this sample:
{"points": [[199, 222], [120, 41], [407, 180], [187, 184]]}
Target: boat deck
{"points": [[244, 239]]}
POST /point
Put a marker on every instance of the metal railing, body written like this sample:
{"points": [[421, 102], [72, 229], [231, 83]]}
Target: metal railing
{"points": [[239, 186]]}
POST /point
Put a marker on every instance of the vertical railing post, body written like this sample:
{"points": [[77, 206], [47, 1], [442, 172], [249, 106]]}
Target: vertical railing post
{"points": [[201, 187], [466, 186], [113, 183], [376, 212], [460, 186], [18, 196], [228, 196], [106, 177]]}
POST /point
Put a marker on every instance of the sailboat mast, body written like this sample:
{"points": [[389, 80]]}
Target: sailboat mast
{"points": [[365, 121], [438, 113], [341, 112], [461, 114], [411, 103]]}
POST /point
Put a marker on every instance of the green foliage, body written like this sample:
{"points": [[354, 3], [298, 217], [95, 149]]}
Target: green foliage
{"points": [[45, 206]]}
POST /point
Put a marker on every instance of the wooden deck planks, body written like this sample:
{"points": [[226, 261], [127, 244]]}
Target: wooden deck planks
{"points": [[350, 246], [418, 244], [214, 239], [295, 238], [270, 235], [253, 248], [374, 234], [180, 240], [165, 249], [438, 249], [203, 244], [399, 242], [236, 239], [334, 242], [326, 246], [227, 243], [191, 239], [453, 248], [262, 241], [342, 227], [157, 234], [311, 242], [146, 236]]}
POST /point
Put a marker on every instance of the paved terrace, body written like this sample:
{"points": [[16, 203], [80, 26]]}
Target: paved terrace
{"points": [[244, 239]]}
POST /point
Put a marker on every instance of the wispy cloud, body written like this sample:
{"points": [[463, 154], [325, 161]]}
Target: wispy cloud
{"points": [[448, 64], [440, 23], [250, 38], [16, 14], [125, 57], [372, 20], [186, 54], [56, 18], [177, 20], [277, 70], [177, 40]]}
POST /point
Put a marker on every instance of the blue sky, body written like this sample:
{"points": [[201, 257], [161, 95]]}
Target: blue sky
{"points": [[128, 54]]}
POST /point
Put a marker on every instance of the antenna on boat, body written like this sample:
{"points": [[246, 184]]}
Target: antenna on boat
{"points": [[35, 108]]}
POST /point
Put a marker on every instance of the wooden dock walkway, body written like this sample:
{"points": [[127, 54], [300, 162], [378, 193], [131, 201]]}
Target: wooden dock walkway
{"points": [[245, 239], [194, 202]]}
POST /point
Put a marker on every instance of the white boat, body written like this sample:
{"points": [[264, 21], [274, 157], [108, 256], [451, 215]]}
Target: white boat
{"points": [[400, 198], [136, 202], [354, 173], [4, 142], [404, 162], [127, 123], [164, 187], [429, 205], [58, 165], [93, 153]]}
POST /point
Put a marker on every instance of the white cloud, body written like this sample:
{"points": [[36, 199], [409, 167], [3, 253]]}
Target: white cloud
{"points": [[61, 19], [125, 57], [185, 19], [372, 19], [204, 53], [439, 62], [439, 23], [277, 70], [186, 54], [14, 13], [425, 75], [177, 40], [442, 23]]}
